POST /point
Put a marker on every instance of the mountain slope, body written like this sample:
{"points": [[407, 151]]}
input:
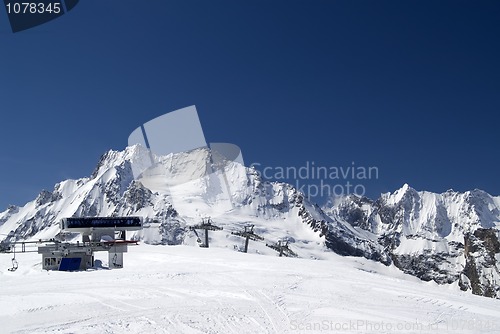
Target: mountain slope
{"points": [[449, 237], [176, 193]]}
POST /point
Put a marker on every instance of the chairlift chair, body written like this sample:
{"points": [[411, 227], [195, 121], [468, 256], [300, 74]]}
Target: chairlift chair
{"points": [[15, 265]]}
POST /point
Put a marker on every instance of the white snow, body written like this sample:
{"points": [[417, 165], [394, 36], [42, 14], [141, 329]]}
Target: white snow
{"points": [[186, 289], [182, 289]]}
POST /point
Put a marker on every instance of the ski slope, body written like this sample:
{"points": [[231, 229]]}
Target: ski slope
{"points": [[185, 289]]}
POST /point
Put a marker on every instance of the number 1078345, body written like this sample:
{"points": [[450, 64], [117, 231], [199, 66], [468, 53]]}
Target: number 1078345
{"points": [[33, 8]]}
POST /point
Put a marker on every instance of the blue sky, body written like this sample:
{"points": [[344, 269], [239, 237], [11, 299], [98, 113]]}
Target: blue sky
{"points": [[411, 87]]}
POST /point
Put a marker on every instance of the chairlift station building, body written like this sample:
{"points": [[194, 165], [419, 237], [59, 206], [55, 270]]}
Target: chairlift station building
{"points": [[99, 234]]}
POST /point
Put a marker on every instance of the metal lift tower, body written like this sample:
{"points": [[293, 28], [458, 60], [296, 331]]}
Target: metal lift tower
{"points": [[282, 248], [248, 234], [206, 224]]}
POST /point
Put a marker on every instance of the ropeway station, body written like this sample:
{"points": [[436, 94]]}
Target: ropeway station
{"points": [[99, 234]]}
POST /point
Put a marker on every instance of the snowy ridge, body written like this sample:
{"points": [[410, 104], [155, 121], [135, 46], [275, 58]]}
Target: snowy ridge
{"points": [[427, 234], [177, 193], [449, 238]]}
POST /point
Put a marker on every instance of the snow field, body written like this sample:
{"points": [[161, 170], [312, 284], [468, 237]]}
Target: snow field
{"points": [[184, 289]]}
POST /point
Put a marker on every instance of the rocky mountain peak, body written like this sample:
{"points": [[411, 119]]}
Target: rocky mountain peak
{"points": [[449, 237]]}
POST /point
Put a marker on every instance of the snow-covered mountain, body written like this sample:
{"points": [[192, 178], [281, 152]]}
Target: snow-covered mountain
{"points": [[176, 193], [447, 238]]}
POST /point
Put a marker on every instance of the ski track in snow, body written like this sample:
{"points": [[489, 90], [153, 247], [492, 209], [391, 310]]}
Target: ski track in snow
{"points": [[183, 289]]}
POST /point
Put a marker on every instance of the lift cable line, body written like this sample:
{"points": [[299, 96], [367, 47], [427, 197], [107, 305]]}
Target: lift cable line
{"points": [[248, 234], [10, 247], [206, 224], [282, 248], [24, 244]]}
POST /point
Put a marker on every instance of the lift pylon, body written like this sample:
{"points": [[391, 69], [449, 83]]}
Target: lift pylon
{"points": [[282, 248], [206, 225], [248, 234]]}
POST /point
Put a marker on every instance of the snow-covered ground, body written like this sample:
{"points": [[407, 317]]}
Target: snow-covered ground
{"points": [[185, 289]]}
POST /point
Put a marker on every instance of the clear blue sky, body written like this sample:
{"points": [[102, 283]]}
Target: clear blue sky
{"points": [[412, 87]]}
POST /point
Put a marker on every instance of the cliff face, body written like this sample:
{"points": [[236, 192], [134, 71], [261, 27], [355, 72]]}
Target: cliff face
{"points": [[482, 252], [447, 238]]}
